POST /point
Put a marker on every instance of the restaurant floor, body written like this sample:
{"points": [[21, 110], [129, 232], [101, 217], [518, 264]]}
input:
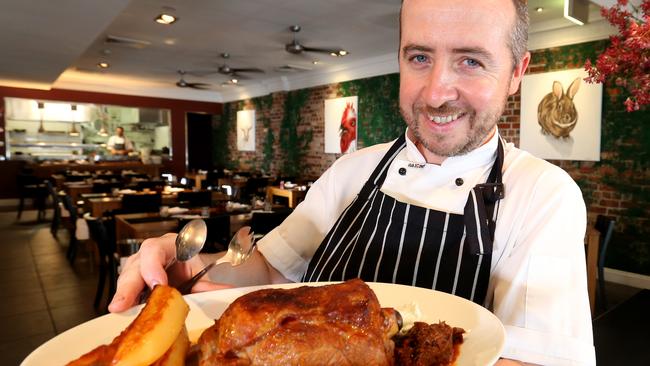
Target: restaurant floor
{"points": [[42, 295]]}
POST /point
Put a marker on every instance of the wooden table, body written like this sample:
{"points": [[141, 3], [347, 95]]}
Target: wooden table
{"points": [[98, 206], [149, 225], [198, 178], [75, 190], [592, 246], [294, 195], [143, 225]]}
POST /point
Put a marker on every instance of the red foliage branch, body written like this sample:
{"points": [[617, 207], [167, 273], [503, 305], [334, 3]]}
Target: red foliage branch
{"points": [[627, 59]]}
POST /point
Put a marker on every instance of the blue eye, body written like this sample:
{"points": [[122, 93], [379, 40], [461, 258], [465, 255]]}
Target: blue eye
{"points": [[472, 63], [420, 58]]}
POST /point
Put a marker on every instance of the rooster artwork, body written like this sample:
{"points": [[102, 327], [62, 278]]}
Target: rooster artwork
{"points": [[341, 126], [348, 129]]}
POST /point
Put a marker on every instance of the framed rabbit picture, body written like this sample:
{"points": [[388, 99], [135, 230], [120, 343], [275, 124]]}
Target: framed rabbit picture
{"points": [[561, 115]]}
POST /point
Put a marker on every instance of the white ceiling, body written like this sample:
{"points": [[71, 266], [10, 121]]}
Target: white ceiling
{"points": [[57, 44]]}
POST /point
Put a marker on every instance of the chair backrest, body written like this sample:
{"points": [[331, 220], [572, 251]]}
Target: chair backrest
{"points": [[605, 225], [150, 184], [254, 187], [196, 199], [106, 187], [132, 203], [71, 207], [264, 222], [52, 192], [101, 233]]}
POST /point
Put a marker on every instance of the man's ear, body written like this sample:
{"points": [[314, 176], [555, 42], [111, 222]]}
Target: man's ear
{"points": [[518, 73]]}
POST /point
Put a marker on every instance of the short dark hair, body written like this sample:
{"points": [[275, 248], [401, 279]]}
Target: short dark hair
{"points": [[518, 42]]}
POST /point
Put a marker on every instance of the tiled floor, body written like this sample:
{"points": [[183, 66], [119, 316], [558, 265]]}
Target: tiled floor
{"points": [[42, 295]]}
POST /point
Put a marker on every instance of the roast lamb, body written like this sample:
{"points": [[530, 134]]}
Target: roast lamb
{"points": [[340, 324]]}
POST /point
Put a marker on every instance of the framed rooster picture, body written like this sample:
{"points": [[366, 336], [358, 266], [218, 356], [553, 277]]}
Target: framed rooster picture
{"points": [[246, 130], [561, 116], [341, 125]]}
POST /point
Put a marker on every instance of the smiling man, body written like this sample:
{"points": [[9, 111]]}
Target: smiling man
{"points": [[449, 205]]}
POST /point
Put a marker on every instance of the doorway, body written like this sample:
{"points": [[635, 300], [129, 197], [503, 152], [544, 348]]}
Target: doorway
{"points": [[199, 141]]}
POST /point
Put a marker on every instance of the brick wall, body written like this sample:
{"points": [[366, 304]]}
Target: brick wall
{"points": [[592, 177]]}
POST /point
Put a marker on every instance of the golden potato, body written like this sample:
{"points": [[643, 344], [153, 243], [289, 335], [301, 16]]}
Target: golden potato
{"points": [[175, 355], [154, 330]]}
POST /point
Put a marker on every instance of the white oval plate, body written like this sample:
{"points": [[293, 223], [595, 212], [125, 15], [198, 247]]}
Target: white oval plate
{"points": [[484, 338]]}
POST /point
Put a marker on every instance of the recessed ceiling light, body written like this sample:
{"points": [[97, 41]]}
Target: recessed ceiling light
{"points": [[165, 19], [539, 9], [234, 81], [315, 62], [103, 65], [343, 52]]}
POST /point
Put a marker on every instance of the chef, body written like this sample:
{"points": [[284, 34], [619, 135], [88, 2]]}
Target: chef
{"points": [[449, 205], [119, 144]]}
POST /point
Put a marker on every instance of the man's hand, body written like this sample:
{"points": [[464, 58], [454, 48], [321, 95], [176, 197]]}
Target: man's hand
{"points": [[148, 268]]}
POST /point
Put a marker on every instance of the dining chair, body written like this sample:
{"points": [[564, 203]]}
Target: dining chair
{"points": [[71, 225], [56, 207], [31, 187], [605, 225], [264, 222], [132, 203], [102, 233], [195, 199]]}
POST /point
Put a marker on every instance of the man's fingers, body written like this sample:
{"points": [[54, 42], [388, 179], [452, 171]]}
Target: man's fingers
{"points": [[155, 254], [129, 286]]}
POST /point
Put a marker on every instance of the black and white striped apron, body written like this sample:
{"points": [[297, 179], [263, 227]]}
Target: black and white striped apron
{"points": [[378, 238]]}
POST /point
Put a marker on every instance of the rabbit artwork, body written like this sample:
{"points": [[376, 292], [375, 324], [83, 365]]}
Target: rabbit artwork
{"points": [[556, 113]]}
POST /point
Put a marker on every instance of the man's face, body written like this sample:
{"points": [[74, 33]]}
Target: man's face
{"points": [[119, 131], [455, 72]]}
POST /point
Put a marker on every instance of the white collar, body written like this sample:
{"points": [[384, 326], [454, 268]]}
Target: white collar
{"points": [[482, 155]]}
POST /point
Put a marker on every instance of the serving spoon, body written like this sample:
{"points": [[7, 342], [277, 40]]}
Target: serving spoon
{"points": [[189, 242], [240, 248]]}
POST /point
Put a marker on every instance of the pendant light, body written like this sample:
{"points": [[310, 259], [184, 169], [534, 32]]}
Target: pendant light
{"points": [[73, 130], [41, 110]]}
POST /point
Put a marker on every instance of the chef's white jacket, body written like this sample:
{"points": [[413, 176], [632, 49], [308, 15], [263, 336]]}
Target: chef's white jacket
{"points": [[538, 284]]}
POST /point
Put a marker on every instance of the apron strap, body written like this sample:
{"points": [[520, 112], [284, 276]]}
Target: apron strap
{"points": [[379, 174]]}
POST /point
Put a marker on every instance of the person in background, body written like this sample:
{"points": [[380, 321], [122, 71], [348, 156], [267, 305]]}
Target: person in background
{"points": [[449, 205], [119, 144]]}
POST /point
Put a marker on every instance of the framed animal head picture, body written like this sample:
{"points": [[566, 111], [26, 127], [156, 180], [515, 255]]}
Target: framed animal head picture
{"points": [[561, 116], [341, 125], [246, 130]]}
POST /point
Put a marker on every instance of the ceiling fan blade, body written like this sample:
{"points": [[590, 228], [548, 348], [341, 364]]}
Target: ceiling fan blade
{"points": [[247, 69], [321, 50], [198, 85], [235, 75]]}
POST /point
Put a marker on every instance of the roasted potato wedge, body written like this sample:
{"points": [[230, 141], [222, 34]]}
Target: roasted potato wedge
{"points": [[154, 330], [157, 333], [175, 355]]}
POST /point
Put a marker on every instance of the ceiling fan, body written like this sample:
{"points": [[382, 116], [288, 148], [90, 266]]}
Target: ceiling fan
{"points": [[235, 72], [296, 47], [181, 83]]}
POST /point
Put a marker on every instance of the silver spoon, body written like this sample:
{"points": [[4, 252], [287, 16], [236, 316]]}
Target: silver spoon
{"points": [[189, 242], [240, 249]]}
